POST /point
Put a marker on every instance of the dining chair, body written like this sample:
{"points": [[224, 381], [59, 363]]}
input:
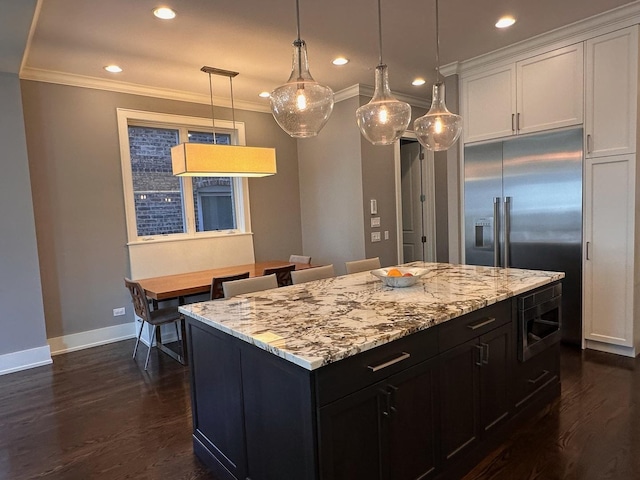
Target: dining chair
{"points": [[283, 274], [248, 285], [216, 291], [310, 274], [300, 259], [356, 266], [155, 317]]}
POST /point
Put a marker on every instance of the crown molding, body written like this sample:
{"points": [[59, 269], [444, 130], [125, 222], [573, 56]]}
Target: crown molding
{"points": [[61, 78], [367, 91], [580, 31], [450, 69]]}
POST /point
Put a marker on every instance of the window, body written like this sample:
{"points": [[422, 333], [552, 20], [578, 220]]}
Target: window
{"points": [[161, 205]]}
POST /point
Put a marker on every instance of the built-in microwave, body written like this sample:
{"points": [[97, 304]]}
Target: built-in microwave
{"points": [[539, 319]]}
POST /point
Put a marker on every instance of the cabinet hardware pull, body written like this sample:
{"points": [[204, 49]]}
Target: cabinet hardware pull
{"points": [[479, 349], [478, 325], [588, 143], [588, 256], [536, 380], [485, 358], [387, 400], [392, 394], [513, 122], [518, 122], [400, 358]]}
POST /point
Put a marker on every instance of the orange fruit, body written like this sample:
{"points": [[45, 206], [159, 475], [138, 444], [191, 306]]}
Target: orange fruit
{"points": [[394, 272]]}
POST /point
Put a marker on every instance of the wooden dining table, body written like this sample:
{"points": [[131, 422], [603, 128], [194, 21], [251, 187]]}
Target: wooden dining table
{"points": [[192, 283]]}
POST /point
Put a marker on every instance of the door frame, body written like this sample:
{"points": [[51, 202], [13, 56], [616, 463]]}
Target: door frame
{"points": [[430, 200]]}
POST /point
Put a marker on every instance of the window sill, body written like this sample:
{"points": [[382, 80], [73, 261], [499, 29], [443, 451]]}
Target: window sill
{"points": [[188, 238]]}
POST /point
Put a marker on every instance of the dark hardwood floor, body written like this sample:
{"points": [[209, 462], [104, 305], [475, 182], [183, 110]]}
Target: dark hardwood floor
{"points": [[96, 414]]}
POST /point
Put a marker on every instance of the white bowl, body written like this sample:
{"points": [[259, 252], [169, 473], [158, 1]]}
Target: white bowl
{"points": [[399, 282]]}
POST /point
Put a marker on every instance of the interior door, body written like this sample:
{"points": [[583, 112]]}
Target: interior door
{"points": [[413, 204]]}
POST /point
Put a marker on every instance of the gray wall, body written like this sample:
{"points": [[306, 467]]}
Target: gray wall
{"points": [[331, 190], [76, 177], [378, 181], [22, 317]]}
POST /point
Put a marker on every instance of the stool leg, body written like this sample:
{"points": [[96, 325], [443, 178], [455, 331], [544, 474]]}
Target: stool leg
{"points": [[153, 336], [135, 349]]}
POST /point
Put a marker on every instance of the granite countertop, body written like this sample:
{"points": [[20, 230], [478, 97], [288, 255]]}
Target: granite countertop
{"points": [[316, 323]]}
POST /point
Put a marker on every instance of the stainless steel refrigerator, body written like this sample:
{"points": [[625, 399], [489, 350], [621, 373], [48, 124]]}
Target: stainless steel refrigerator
{"points": [[523, 209]]}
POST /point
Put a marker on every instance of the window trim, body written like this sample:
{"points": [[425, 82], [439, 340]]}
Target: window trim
{"points": [[126, 117]]}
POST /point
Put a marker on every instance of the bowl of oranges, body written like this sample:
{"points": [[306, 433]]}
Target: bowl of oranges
{"points": [[399, 277]]}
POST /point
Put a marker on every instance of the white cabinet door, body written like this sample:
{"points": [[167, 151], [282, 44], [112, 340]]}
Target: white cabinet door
{"points": [[609, 249], [611, 93], [550, 90], [489, 104]]}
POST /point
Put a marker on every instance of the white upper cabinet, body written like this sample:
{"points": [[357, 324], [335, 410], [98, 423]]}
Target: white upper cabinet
{"points": [[611, 93], [489, 104], [535, 94], [550, 90]]}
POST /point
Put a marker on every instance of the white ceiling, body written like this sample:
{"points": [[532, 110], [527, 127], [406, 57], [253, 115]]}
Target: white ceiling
{"points": [[254, 37]]}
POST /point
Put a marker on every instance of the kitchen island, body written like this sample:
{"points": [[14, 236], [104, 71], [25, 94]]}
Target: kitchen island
{"points": [[346, 378]]}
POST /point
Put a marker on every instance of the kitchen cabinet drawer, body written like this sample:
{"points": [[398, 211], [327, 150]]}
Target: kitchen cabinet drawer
{"points": [[535, 374], [346, 376], [472, 325]]}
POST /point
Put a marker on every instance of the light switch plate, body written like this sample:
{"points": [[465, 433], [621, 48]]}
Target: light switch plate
{"points": [[375, 221], [374, 206], [375, 236]]}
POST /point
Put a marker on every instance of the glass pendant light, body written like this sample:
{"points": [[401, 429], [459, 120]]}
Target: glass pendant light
{"points": [[301, 106], [439, 129], [384, 119]]}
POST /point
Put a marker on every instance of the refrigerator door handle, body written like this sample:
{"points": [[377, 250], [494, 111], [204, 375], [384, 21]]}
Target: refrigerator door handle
{"points": [[496, 231], [507, 231]]}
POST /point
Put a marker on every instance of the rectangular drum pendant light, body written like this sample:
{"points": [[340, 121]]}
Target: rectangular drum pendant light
{"points": [[209, 160], [213, 160]]}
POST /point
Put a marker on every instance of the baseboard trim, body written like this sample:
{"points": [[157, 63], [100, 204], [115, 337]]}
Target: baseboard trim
{"points": [[609, 348], [92, 338], [37, 357], [25, 359]]}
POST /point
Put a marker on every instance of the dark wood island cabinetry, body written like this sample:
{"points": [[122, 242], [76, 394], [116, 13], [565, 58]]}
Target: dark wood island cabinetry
{"points": [[417, 393]]}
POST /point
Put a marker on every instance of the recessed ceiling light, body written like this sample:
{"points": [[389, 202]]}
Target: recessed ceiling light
{"points": [[505, 22], [340, 61], [264, 94], [113, 68], [418, 81], [165, 13]]}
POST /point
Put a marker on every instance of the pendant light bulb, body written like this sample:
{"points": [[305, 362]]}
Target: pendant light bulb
{"points": [[301, 106], [439, 129], [384, 119]]}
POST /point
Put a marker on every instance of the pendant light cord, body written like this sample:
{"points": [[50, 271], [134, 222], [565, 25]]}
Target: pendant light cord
{"points": [[379, 33], [298, 42], [213, 121], [437, 46], [298, 18]]}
